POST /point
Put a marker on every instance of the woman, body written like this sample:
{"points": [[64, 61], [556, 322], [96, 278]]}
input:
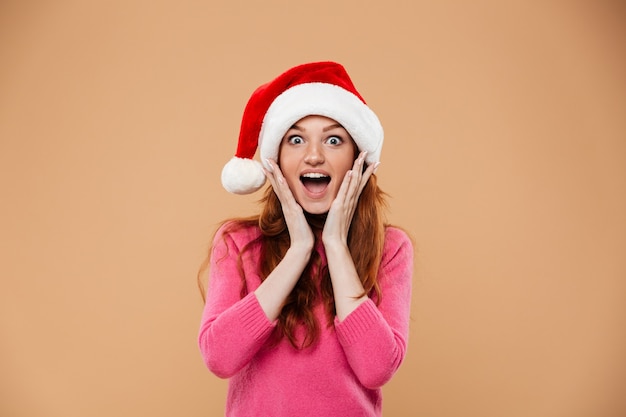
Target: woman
{"points": [[308, 302]]}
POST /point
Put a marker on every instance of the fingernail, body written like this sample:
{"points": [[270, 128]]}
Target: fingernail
{"points": [[376, 166], [269, 165]]}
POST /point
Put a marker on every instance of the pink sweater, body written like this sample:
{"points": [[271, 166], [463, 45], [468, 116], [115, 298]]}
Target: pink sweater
{"points": [[340, 375]]}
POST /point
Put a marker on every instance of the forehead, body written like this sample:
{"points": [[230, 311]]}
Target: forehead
{"points": [[316, 121]]}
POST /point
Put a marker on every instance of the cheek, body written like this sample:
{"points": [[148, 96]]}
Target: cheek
{"points": [[286, 167], [346, 164]]}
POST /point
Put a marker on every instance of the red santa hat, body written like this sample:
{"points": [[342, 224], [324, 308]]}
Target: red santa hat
{"points": [[319, 88]]}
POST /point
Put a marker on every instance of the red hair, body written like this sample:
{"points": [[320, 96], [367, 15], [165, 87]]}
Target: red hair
{"points": [[365, 240]]}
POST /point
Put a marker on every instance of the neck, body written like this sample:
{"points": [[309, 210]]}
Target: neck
{"points": [[316, 221]]}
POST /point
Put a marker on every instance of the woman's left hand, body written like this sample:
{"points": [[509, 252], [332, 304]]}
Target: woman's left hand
{"points": [[342, 208]]}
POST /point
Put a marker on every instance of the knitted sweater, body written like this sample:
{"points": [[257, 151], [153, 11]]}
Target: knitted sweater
{"points": [[340, 375]]}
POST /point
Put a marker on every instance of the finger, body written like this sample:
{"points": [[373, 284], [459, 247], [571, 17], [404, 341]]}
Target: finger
{"points": [[371, 169], [271, 178], [359, 162], [345, 186], [279, 184], [356, 177], [269, 174], [274, 169]]}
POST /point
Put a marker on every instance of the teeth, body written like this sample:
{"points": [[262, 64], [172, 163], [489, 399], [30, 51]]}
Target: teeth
{"points": [[314, 175]]}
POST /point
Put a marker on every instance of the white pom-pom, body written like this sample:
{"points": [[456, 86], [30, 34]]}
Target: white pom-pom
{"points": [[242, 176]]}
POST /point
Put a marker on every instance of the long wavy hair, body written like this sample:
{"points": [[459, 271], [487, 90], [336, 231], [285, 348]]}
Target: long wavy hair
{"points": [[365, 241]]}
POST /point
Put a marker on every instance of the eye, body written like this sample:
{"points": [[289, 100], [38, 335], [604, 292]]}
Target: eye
{"points": [[334, 140], [295, 140]]}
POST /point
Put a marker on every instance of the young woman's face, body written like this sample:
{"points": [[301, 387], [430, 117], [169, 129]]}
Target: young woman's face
{"points": [[314, 156]]}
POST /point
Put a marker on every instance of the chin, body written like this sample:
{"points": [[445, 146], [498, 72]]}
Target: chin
{"points": [[316, 208]]}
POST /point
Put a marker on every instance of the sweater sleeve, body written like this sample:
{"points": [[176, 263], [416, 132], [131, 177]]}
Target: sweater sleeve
{"points": [[232, 329], [374, 338]]}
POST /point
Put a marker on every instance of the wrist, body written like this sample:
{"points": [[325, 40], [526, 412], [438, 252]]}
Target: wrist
{"points": [[335, 245], [300, 250]]}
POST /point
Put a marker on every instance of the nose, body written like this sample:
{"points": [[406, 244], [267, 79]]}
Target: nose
{"points": [[314, 154]]}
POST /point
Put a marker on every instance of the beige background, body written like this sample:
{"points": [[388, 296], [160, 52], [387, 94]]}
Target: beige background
{"points": [[505, 158]]}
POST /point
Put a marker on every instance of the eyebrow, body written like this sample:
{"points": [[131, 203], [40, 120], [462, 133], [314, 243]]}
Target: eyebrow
{"points": [[326, 129]]}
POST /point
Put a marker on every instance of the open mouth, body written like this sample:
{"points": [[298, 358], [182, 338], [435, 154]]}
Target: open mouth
{"points": [[315, 182]]}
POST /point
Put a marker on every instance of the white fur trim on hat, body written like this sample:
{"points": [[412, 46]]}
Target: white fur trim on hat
{"points": [[242, 176], [321, 99]]}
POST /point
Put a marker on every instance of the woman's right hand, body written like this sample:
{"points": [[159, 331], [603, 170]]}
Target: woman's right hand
{"points": [[276, 287], [300, 232]]}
